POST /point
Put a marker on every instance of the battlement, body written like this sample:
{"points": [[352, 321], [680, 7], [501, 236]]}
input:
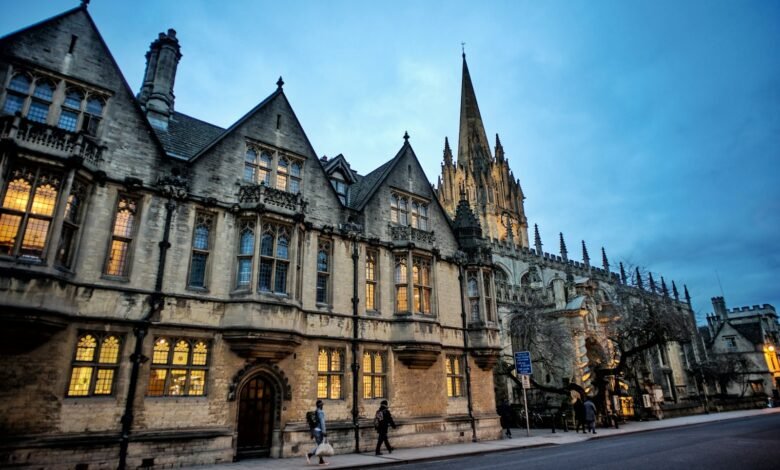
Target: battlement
{"points": [[754, 308]]}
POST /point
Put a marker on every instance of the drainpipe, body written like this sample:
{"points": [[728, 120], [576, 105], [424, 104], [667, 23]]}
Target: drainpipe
{"points": [[467, 367], [137, 358], [355, 337]]}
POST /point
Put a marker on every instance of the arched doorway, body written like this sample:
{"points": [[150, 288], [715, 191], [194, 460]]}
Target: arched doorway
{"points": [[256, 417]]}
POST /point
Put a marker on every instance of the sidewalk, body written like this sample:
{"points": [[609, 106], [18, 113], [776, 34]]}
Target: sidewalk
{"points": [[538, 438]]}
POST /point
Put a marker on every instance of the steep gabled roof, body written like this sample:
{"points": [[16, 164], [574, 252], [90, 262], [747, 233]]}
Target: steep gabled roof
{"points": [[360, 193], [186, 135], [340, 163], [751, 331], [277, 94], [82, 9]]}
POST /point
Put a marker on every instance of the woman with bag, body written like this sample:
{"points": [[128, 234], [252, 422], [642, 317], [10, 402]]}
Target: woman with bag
{"points": [[323, 449]]}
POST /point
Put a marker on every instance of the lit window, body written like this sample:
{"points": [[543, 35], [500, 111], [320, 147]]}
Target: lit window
{"points": [[201, 246], [282, 174], [274, 259], [401, 285], [374, 375], [28, 207], [118, 262], [323, 271], [94, 366], [178, 368], [454, 376], [71, 224], [246, 248], [371, 280], [422, 285], [330, 373], [264, 168]]}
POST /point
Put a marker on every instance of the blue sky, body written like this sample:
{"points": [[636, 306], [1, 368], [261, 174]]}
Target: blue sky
{"points": [[651, 128]]}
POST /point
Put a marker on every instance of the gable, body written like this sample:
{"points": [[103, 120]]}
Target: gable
{"points": [[69, 47]]}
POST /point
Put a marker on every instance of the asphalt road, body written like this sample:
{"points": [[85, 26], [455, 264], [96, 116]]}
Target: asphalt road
{"points": [[748, 443]]}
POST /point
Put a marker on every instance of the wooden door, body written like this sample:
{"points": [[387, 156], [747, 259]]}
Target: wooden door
{"points": [[256, 418]]}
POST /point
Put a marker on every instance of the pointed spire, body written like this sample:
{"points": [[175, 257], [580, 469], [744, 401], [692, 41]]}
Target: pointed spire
{"points": [[472, 140], [664, 289], [447, 152], [675, 293], [639, 283], [623, 277], [585, 257], [537, 241], [653, 288], [280, 82], [499, 151], [687, 295], [564, 251], [604, 260]]}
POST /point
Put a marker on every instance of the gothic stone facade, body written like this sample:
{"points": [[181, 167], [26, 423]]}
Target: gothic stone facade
{"points": [[174, 293], [580, 295]]}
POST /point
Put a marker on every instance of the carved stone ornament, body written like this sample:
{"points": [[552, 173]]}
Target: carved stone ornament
{"points": [[173, 186], [262, 194], [406, 233], [485, 358], [417, 356], [271, 346]]}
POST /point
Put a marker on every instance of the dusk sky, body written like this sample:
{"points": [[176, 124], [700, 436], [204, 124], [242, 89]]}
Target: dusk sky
{"points": [[651, 128]]}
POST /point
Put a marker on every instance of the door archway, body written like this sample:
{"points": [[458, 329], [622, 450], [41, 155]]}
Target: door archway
{"points": [[257, 402]]}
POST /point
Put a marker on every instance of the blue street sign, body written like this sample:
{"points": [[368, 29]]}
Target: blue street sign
{"points": [[523, 362]]}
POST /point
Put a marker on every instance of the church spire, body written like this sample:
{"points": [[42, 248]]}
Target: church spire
{"points": [[585, 256], [472, 140], [537, 241], [564, 251], [675, 292], [604, 260], [623, 276], [499, 151]]}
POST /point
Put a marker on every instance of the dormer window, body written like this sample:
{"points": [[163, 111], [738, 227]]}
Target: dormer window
{"points": [[269, 168], [407, 211]]}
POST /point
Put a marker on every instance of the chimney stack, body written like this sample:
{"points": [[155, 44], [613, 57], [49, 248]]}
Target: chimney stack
{"points": [[719, 306], [156, 95]]}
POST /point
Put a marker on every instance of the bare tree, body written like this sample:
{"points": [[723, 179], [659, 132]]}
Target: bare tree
{"points": [[724, 369]]}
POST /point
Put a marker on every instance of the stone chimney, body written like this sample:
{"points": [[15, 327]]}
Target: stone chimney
{"points": [[719, 306], [156, 95]]}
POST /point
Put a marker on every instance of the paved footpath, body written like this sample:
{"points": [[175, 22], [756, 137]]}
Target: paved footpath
{"points": [[538, 438]]}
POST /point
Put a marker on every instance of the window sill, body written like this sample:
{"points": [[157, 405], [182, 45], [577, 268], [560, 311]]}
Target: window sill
{"points": [[121, 279], [202, 290]]}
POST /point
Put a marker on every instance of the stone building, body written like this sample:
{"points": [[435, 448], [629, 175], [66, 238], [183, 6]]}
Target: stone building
{"points": [[580, 295], [751, 334], [175, 293]]}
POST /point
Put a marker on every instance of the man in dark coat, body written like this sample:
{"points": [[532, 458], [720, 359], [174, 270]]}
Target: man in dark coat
{"points": [[590, 415], [579, 415], [383, 421], [505, 412]]}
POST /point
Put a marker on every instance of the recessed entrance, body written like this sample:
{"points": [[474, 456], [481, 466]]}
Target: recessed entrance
{"points": [[256, 412]]}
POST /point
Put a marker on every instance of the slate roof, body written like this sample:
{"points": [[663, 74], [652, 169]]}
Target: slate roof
{"points": [[361, 191], [186, 136], [751, 331]]}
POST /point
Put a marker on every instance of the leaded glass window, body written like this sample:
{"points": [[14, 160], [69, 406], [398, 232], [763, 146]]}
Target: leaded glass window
{"points": [[246, 248], [330, 373], [323, 271], [179, 367], [94, 366], [118, 262], [201, 248], [374, 375], [454, 376]]}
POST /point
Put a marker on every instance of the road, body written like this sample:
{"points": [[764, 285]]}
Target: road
{"points": [[748, 443]]}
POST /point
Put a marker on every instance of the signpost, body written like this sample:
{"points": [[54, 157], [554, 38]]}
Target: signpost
{"points": [[524, 370]]}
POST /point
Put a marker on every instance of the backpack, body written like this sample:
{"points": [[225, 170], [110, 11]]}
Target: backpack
{"points": [[312, 419], [378, 418]]}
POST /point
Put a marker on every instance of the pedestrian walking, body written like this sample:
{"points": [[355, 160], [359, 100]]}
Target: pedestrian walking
{"points": [[505, 412], [590, 415], [318, 431], [382, 421], [579, 415]]}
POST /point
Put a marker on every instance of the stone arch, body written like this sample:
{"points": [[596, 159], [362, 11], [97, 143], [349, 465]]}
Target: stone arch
{"points": [[270, 371]]}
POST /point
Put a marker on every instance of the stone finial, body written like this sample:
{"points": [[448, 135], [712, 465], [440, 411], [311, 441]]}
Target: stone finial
{"points": [[675, 293], [623, 277], [406, 137], [564, 251], [499, 151], [604, 260], [447, 152], [639, 282], [664, 289], [280, 82], [653, 288], [687, 295], [84, 3], [537, 241], [585, 256]]}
